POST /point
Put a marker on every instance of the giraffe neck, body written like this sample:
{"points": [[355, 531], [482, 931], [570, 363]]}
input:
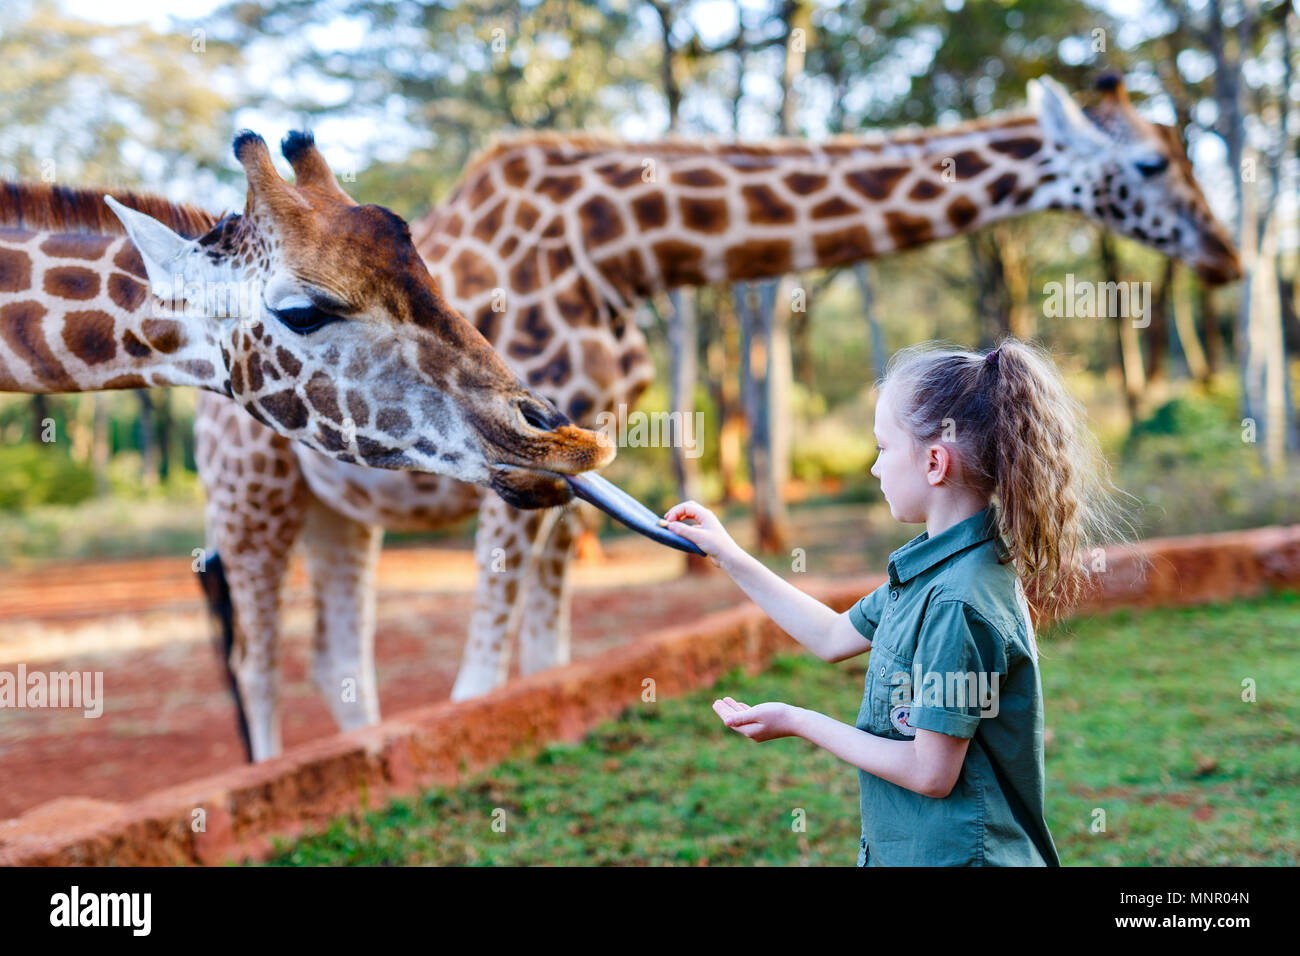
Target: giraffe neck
{"points": [[738, 214], [76, 315]]}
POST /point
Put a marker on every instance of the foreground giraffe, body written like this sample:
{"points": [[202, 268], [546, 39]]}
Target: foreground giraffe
{"points": [[302, 306], [550, 241]]}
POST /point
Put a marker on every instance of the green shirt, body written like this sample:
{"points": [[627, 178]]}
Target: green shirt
{"points": [[951, 653]]}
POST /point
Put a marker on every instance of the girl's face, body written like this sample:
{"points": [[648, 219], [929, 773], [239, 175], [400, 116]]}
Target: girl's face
{"points": [[898, 466]]}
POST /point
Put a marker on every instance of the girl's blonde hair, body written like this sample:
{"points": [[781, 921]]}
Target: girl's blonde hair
{"points": [[1022, 442]]}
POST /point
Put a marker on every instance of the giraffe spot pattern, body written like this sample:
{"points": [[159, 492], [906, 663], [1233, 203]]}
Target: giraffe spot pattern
{"points": [[393, 421], [842, 245], [703, 215], [163, 334], [133, 346], [487, 227], [925, 190], [1021, 147], [1001, 187], [878, 182], [679, 262], [126, 293], [287, 361], [323, 397], [600, 221], [830, 208], [15, 270], [651, 210], [20, 326], [285, 407], [759, 257], [805, 184], [962, 212], [75, 283], [765, 207], [89, 336], [701, 178], [77, 246], [908, 230]]}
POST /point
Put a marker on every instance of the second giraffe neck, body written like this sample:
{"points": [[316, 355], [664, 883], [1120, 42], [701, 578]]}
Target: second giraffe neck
{"points": [[658, 215]]}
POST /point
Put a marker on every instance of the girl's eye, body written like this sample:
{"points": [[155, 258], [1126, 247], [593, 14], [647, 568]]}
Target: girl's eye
{"points": [[304, 319]]}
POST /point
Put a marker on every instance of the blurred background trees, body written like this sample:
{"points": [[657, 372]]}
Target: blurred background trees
{"points": [[402, 94]]}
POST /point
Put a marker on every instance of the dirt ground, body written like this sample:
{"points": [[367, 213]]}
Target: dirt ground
{"points": [[168, 716]]}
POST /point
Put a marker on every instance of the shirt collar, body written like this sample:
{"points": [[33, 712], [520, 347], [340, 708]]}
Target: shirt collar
{"points": [[923, 552]]}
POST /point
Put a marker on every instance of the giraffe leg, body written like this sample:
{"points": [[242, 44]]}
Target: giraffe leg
{"points": [[257, 501], [342, 557], [544, 625], [501, 548]]}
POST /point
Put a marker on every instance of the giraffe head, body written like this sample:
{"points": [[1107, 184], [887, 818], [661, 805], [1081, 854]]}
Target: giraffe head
{"points": [[333, 333], [1132, 175]]}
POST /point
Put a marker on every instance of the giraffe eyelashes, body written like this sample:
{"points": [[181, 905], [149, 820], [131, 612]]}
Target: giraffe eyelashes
{"points": [[304, 318], [1153, 166]]}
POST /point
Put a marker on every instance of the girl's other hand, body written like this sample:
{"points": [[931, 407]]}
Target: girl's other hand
{"points": [[708, 533], [762, 722]]}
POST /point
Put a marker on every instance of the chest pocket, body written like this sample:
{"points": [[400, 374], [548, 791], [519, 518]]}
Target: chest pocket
{"points": [[889, 693]]}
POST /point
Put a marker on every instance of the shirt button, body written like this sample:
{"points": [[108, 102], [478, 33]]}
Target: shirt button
{"points": [[882, 670], [893, 595]]}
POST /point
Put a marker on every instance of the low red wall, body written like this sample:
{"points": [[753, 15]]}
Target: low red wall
{"points": [[243, 809]]}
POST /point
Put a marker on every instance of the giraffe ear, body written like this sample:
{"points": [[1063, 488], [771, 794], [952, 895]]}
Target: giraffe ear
{"points": [[1061, 117], [162, 250]]}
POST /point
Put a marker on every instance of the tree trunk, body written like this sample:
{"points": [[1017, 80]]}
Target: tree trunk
{"points": [[99, 452], [756, 361], [724, 372], [1185, 324], [1130, 349], [991, 300], [1157, 333], [145, 439], [862, 272], [40, 410], [166, 435], [683, 338], [1210, 327]]}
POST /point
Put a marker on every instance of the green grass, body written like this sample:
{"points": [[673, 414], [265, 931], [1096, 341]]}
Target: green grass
{"points": [[1146, 723]]}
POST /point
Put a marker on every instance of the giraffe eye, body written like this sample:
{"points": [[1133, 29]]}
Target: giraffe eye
{"points": [[305, 318], [1153, 166]]}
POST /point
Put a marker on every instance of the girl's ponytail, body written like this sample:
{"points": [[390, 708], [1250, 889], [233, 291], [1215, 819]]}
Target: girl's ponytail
{"points": [[1022, 440]]}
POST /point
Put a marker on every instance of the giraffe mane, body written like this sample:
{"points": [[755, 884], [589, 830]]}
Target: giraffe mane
{"points": [[46, 206], [503, 142]]}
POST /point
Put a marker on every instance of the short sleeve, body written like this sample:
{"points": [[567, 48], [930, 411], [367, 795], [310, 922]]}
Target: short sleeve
{"points": [[866, 614], [958, 670]]}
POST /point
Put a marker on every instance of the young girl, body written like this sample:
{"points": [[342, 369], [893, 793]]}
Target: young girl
{"points": [[992, 454]]}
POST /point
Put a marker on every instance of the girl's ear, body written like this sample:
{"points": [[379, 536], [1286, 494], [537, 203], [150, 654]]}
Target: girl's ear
{"points": [[938, 463]]}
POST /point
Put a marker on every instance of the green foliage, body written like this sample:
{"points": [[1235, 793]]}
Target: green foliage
{"points": [[35, 474], [1189, 464], [1188, 431]]}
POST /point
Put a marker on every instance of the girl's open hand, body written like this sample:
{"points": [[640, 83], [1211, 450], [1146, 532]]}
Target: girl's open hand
{"points": [[762, 722], [708, 534]]}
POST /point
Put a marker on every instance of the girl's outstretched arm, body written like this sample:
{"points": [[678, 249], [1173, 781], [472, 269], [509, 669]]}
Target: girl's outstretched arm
{"points": [[928, 765], [829, 635]]}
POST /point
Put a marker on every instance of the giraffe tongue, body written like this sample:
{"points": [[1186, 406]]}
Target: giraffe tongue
{"points": [[621, 506]]}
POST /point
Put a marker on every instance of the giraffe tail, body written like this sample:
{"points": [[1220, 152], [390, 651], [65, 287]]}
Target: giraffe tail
{"points": [[212, 579]]}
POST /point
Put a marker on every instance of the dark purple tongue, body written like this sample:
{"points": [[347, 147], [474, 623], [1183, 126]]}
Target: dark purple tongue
{"points": [[622, 507]]}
